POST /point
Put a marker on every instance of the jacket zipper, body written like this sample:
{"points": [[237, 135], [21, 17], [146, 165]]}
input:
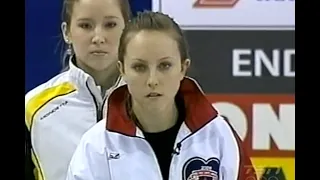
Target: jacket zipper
{"points": [[98, 109], [175, 153]]}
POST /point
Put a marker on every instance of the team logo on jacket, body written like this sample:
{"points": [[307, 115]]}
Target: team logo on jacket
{"points": [[198, 168]]}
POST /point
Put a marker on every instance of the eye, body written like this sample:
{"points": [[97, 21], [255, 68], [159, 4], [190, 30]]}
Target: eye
{"points": [[139, 67], [165, 65], [110, 24], [85, 25]]}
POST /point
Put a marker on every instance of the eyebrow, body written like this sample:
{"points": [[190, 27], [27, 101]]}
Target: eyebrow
{"points": [[106, 17], [161, 59]]}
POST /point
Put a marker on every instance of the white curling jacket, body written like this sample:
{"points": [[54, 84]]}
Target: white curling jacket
{"points": [[206, 145], [57, 114]]}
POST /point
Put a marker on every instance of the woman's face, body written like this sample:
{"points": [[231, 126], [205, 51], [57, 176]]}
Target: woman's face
{"points": [[94, 32], [152, 69]]}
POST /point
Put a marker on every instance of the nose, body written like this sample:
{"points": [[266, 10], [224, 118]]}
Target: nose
{"points": [[153, 81], [98, 38]]}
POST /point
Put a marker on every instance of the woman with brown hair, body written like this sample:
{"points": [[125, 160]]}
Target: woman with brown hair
{"points": [[159, 125], [59, 111]]}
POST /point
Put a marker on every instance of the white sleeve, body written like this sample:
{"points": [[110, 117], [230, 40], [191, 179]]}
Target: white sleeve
{"points": [[235, 162], [89, 162]]}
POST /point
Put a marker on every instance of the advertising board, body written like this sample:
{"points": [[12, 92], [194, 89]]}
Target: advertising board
{"points": [[266, 124], [249, 76], [229, 14]]}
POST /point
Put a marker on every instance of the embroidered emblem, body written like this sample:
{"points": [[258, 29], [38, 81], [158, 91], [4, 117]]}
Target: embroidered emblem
{"points": [[198, 168]]}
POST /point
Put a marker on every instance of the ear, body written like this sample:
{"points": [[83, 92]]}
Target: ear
{"points": [[184, 67], [64, 30]]}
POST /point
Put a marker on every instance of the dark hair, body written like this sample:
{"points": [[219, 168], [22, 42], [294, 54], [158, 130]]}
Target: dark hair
{"points": [[156, 21], [67, 11]]}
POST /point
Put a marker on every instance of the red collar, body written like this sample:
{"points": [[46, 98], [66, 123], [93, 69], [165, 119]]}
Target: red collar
{"points": [[199, 110]]}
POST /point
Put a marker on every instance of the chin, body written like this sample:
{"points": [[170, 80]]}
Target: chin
{"points": [[102, 65], [156, 106]]}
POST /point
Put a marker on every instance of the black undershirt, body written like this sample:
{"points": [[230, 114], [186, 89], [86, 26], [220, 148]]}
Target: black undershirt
{"points": [[162, 143]]}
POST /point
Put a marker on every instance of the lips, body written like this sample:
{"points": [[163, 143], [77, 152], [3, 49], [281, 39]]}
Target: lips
{"points": [[153, 94], [98, 52]]}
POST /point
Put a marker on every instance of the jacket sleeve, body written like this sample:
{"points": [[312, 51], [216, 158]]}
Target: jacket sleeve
{"points": [[88, 162], [235, 162], [28, 166]]}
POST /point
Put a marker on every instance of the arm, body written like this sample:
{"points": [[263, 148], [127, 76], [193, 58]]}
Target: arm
{"points": [[89, 162], [235, 162]]}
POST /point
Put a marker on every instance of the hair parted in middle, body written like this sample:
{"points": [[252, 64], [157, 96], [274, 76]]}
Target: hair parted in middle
{"points": [[153, 21]]}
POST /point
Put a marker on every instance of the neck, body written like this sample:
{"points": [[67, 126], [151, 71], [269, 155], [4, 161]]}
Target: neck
{"points": [[153, 121], [105, 78]]}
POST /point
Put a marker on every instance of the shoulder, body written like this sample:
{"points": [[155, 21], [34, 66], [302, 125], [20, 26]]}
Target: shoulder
{"points": [[221, 127], [40, 96], [58, 81]]}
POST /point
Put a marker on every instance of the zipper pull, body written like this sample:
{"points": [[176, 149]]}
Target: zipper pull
{"points": [[176, 150]]}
